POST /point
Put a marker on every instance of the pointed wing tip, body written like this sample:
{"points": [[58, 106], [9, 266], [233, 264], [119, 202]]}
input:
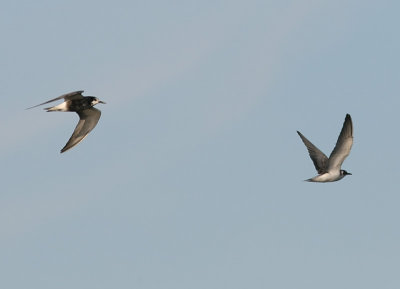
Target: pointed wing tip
{"points": [[32, 106], [65, 149], [349, 122], [348, 118], [301, 136]]}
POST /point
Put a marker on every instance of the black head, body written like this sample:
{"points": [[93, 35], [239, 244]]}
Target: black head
{"points": [[344, 173], [94, 100]]}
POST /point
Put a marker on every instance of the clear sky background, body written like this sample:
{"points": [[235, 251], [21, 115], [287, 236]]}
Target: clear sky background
{"points": [[193, 177]]}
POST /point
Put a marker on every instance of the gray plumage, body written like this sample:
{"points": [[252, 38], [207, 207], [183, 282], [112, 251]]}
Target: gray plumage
{"points": [[83, 106], [88, 119], [67, 97], [329, 169]]}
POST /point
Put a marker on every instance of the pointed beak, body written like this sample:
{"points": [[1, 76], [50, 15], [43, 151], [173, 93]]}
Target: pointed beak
{"points": [[102, 102], [349, 173]]}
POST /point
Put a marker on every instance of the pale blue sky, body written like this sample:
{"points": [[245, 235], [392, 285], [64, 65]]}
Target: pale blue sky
{"points": [[193, 176]]}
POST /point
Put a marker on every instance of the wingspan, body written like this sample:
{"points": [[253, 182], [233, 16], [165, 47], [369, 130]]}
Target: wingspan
{"points": [[319, 159], [343, 145], [88, 119], [67, 96]]}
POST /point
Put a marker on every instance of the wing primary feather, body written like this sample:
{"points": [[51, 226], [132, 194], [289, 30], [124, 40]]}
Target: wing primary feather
{"points": [[68, 96], [343, 144], [88, 119], [319, 159]]}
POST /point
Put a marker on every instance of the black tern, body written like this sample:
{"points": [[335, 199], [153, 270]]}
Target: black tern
{"points": [[83, 106], [329, 170]]}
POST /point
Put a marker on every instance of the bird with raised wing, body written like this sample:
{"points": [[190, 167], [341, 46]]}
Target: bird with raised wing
{"points": [[84, 107], [329, 169]]}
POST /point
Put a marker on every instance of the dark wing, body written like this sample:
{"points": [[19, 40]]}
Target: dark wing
{"points": [[343, 145], [88, 119], [319, 159], [67, 96]]}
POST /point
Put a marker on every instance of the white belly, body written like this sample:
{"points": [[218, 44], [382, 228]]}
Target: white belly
{"points": [[327, 177], [60, 107]]}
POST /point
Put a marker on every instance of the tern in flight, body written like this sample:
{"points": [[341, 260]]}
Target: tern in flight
{"points": [[84, 107], [329, 169]]}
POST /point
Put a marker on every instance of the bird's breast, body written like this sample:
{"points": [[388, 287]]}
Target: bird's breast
{"points": [[327, 177]]}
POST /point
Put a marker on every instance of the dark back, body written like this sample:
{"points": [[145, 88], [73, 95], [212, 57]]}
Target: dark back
{"points": [[81, 104]]}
